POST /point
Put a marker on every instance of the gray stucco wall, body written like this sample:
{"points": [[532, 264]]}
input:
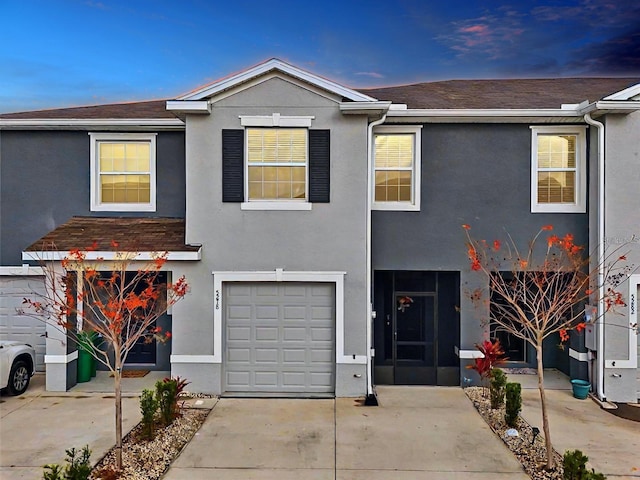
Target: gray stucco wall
{"points": [[475, 174], [44, 180], [622, 230], [330, 237]]}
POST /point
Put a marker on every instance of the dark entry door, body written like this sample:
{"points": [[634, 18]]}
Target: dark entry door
{"points": [[143, 352], [417, 328], [414, 358]]}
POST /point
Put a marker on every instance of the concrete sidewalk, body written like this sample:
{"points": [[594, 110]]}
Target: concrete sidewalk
{"points": [[611, 443], [415, 433]]}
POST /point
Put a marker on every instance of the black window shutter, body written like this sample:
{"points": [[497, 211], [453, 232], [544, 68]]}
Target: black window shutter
{"points": [[319, 166], [232, 165]]}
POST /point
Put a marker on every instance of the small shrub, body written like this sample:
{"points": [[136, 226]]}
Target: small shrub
{"points": [[148, 408], [78, 466], [513, 393], [497, 388], [167, 392], [574, 463]]}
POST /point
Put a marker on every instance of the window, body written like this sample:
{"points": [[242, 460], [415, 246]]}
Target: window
{"points": [[268, 167], [276, 164], [123, 176], [396, 160], [558, 172]]}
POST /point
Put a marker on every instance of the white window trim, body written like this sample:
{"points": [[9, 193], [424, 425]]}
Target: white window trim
{"points": [[293, 204], [580, 206], [96, 204], [280, 275], [414, 205]]}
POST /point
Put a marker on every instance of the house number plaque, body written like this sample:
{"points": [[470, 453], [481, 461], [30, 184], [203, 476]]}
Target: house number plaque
{"points": [[217, 299]]}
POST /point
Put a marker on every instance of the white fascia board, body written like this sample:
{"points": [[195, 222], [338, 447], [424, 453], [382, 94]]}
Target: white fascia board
{"points": [[198, 107], [356, 108], [22, 271], [484, 113], [626, 94], [283, 67], [56, 256], [92, 122]]}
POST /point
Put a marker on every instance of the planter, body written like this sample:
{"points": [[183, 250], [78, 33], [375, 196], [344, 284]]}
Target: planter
{"points": [[580, 388]]}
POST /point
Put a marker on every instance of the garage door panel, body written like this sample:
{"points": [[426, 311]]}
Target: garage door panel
{"points": [[269, 334], [267, 355], [239, 334], [291, 338]]}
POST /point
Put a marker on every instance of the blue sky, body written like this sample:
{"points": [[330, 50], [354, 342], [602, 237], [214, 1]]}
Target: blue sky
{"points": [[57, 53]]}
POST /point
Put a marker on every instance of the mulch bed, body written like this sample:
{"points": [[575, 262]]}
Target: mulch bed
{"points": [[528, 449]]}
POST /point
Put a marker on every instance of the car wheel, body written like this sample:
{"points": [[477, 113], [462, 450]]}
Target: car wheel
{"points": [[18, 378]]}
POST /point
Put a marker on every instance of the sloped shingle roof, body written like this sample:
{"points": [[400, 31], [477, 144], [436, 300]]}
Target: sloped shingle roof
{"points": [[486, 94], [142, 110], [450, 94], [130, 234]]}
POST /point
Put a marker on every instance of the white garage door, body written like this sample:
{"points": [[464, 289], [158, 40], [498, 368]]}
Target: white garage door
{"points": [[279, 338], [13, 289]]}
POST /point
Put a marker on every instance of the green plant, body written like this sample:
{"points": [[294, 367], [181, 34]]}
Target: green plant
{"points": [[497, 387], [167, 393], [574, 463], [78, 466], [513, 393], [148, 408]]}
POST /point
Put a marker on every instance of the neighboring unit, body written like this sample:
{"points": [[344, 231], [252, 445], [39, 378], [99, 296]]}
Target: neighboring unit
{"points": [[319, 227]]}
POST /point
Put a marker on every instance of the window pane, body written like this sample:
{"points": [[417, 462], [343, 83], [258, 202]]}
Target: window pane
{"points": [[125, 188], [556, 187], [393, 186], [279, 149], [557, 151], [133, 161], [393, 151]]}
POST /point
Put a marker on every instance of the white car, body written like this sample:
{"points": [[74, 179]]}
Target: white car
{"points": [[17, 365]]}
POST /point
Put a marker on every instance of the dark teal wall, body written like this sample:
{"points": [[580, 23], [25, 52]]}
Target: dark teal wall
{"points": [[44, 180], [471, 174]]}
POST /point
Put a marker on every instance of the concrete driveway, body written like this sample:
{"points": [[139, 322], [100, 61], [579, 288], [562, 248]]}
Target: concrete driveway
{"points": [[415, 433], [37, 427]]}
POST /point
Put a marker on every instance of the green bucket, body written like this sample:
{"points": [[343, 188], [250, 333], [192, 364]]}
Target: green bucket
{"points": [[580, 388]]}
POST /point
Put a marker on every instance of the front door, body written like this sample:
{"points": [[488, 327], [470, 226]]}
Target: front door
{"points": [[416, 328], [414, 339]]}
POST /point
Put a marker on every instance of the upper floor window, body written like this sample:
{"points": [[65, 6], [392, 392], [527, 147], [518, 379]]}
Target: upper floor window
{"points": [[277, 164], [396, 165], [123, 172], [558, 169]]}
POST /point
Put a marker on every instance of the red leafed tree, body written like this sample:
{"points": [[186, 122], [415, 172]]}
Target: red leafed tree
{"points": [[119, 300], [542, 291]]}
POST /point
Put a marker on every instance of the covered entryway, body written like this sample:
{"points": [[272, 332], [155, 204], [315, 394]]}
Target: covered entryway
{"points": [[279, 338], [416, 328]]}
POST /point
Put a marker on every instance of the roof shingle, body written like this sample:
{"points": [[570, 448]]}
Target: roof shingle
{"points": [[130, 235]]}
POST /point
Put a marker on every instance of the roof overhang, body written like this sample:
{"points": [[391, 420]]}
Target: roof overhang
{"points": [[56, 256], [127, 124], [376, 108], [201, 107], [272, 65]]}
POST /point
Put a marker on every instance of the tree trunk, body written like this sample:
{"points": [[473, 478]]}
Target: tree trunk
{"points": [[543, 404], [117, 375]]}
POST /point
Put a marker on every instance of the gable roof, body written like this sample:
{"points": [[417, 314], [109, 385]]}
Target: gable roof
{"points": [[275, 65], [131, 235], [499, 94]]}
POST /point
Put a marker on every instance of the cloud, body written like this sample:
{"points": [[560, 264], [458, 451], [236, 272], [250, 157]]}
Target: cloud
{"points": [[370, 74], [489, 36], [619, 55]]}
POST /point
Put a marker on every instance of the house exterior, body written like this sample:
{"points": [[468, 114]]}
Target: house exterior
{"points": [[319, 226]]}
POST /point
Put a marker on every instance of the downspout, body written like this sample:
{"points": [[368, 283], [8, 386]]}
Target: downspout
{"points": [[601, 239], [371, 399]]}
